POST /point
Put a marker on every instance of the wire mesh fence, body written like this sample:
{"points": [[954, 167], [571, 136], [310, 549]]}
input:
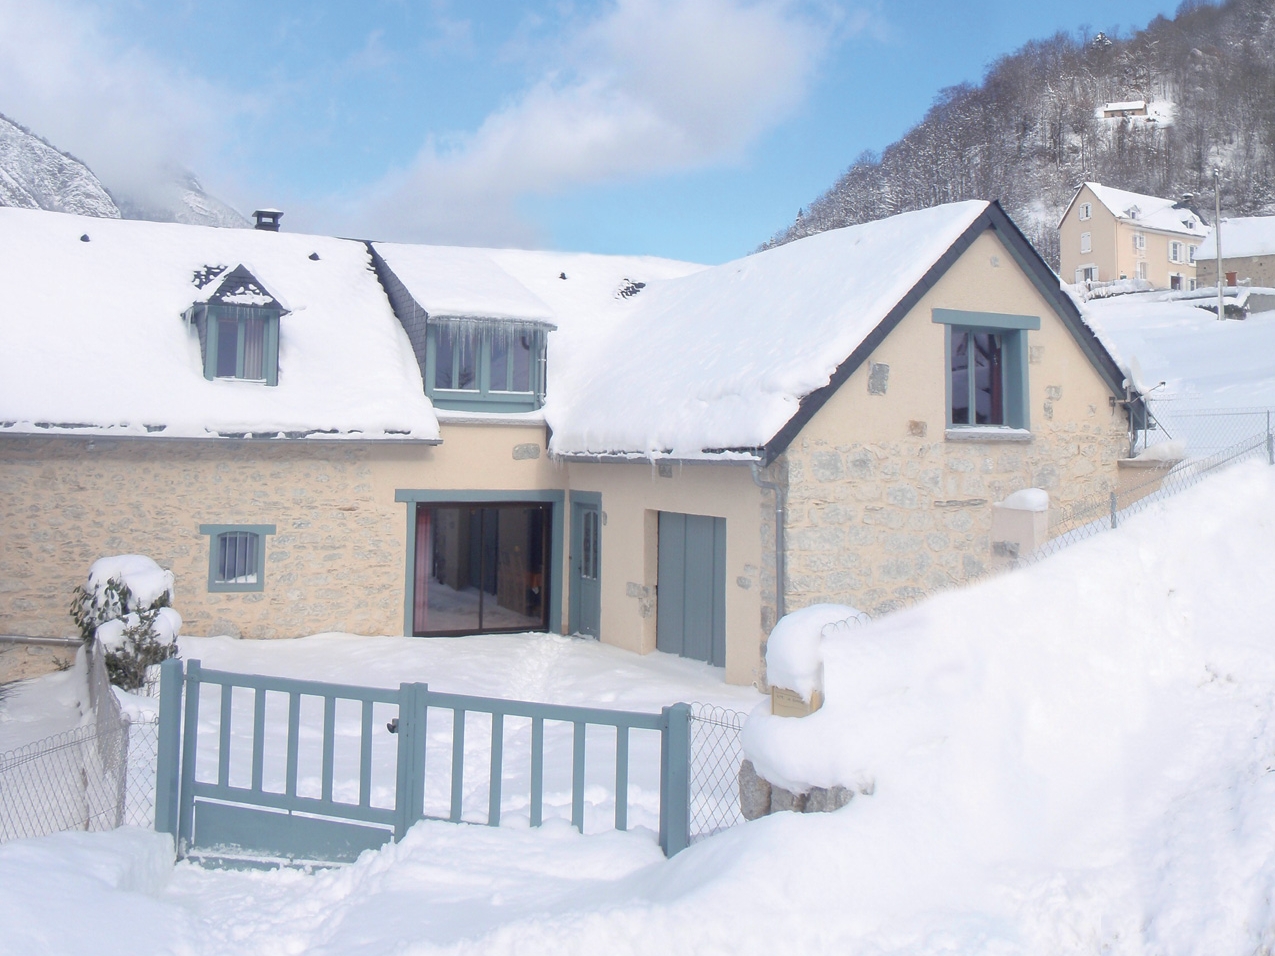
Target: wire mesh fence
{"points": [[99, 776], [716, 755]]}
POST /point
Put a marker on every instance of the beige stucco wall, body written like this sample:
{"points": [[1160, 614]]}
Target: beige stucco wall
{"points": [[632, 496], [336, 561], [882, 507]]}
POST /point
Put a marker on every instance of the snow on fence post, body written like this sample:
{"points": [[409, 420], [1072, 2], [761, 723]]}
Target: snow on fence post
{"points": [[675, 779], [168, 764]]}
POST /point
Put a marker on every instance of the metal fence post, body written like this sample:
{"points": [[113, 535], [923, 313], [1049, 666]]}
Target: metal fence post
{"points": [[168, 762], [1114, 520], [675, 779], [1270, 441]]}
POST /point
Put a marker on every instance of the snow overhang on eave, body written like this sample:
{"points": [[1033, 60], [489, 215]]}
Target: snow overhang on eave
{"points": [[52, 430], [749, 457]]}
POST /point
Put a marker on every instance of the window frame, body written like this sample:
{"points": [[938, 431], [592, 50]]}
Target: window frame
{"points": [[486, 398], [1086, 243], [211, 317], [1086, 211], [1016, 392], [1140, 242], [1176, 250], [215, 533]]}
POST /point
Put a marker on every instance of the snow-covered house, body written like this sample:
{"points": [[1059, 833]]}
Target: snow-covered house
{"points": [[320, 434], [1248, 253], [1107, 234]]}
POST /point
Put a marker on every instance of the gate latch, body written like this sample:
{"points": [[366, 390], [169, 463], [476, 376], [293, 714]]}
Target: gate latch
{"points": [[392, 726]]}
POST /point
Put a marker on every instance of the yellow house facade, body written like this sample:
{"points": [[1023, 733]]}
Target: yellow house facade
{"points": [[1108, 234], [473, 441]]}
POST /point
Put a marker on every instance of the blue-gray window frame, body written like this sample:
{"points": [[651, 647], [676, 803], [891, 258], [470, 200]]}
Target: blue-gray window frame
{"points": [[485, 398], [214, 532], [1013, 331], [557, 499], [213, 312]]}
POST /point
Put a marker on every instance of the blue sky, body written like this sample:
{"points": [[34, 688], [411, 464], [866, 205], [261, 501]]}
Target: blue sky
{"points": [[684, 128]]}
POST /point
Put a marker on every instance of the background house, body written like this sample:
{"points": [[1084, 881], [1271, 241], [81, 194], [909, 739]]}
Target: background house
{"points": [[1107, 234], [1248, 253]]}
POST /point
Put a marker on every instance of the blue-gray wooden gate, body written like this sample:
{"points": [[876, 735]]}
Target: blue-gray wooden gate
{"points": [[690, 615], [216, 818]]}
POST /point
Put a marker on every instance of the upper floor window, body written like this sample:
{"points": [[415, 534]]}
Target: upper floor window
{"points": [[1139, 241], [485, 366], [986, 368], [1086, 210], [1191, 252], [1086, 242], [1176, 251], [238, 325]]}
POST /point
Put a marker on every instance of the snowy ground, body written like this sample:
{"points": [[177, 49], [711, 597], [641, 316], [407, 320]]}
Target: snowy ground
{"points": [[34, 709], [1072, 758]]}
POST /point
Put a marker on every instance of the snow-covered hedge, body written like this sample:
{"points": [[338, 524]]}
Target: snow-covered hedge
{"points": [[126, 604]]}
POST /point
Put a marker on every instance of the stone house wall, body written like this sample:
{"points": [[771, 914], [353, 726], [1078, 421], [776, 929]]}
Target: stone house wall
{"points": [[885, 504]]}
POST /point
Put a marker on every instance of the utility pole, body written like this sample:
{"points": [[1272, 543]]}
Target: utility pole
{"points": [[1217, 237]]}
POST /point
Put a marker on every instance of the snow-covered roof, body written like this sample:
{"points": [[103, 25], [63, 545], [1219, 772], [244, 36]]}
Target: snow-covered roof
{"points": [[95, 341], [1165, 337], [1125, 105], [461, 282], [722, 358], [1150, 212], [1254, 236]]}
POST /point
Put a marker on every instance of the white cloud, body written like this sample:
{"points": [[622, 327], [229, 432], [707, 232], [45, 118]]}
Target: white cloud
{"points": [[127, 114], [647, 88]]}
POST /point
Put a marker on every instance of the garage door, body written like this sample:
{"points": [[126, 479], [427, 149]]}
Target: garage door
{"points": [[690, 617]]}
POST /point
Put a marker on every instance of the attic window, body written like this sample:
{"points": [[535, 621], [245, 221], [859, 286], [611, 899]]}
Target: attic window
{"points": [[485, 365], [1086, 210], [986, 368], [238, 326]]}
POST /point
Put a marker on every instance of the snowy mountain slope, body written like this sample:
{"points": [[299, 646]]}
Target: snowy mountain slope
{"points": [[1031, 131], [35, 175], [181, 199]]}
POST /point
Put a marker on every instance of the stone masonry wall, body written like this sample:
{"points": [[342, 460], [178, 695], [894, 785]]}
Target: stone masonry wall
{"points": [[335, 562], [876, 525]]}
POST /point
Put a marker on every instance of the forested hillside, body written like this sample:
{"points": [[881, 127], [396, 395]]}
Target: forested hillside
{"points": [[1033, 130]]}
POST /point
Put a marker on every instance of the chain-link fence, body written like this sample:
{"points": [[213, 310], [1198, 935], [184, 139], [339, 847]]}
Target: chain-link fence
{"points": [[99, 776], [716, 753]]}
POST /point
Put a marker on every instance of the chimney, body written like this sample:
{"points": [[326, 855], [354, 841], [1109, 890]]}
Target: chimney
{"points": [[268, 219]]}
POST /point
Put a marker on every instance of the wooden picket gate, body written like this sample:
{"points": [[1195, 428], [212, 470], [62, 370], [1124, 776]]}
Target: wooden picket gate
{"points": [[217, 819]]}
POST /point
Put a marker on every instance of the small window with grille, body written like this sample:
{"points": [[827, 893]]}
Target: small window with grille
{"points": [[236, 560]]}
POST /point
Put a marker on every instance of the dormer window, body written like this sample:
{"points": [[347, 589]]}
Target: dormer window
{"points": [[485, 365], [238, 325]]}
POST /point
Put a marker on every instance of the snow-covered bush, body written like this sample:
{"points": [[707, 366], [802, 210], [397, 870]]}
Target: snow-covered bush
{"points": [[127, 605]]}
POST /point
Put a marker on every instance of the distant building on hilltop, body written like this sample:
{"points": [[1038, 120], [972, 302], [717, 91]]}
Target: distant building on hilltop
{"points": [[1107, 234]]}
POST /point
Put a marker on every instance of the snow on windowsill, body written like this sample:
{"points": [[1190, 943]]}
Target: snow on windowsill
{"points": [[987, 433]]}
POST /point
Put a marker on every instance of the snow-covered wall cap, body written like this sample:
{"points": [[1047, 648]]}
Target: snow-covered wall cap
{"points": [[455, 282], [1027, 499], [720, 359], [1151, 212], [85, 355], [794, 651], [1241, 238]]}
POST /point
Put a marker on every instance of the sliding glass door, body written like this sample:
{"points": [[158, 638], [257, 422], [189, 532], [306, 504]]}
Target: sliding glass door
{"points": [[481, 568]]}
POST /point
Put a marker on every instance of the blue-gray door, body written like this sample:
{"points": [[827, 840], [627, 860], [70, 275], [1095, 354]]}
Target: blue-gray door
{"points": [[586, 568], [690, 616]]}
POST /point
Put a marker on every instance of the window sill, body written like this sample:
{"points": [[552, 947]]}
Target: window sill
{"points": [[987, 433]]}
